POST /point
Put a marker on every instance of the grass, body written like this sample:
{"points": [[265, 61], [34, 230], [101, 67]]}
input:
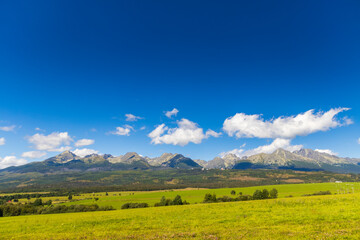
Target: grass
{"points": [[196, 196], [318, 217]]}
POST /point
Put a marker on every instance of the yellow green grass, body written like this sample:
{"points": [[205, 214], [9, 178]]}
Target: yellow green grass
{"points": [[196, 196], [317, 217]]}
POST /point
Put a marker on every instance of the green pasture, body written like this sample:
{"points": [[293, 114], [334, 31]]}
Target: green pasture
{"points": [[117, 199], [316, 217]]}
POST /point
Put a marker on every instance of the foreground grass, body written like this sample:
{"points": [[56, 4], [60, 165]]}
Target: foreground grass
{"points": [[320, 217]]}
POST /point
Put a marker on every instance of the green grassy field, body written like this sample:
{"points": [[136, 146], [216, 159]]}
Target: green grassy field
{"points": [[196, 196], [312, 217], [316, 217]]}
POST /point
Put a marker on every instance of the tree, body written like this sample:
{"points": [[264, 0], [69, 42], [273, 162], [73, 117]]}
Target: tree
{"points": [[177, 200], [257, 195], [209, 198], [265, 194], [162, 201], [70, 197], [233, 192], [38, 202], [107, 194], [49, 202], [273, 193]]}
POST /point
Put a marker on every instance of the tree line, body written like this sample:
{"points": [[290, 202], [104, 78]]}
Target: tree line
{"points": [[40, 207], [257, 195], [16, 197]]}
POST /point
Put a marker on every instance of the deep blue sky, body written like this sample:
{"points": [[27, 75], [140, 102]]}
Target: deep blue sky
{"points": [[70, 66]]}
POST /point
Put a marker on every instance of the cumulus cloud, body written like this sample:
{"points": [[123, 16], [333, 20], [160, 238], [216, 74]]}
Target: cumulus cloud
{"points": [[171, 113], [33, 154], [270, 148], [132, 118], [123, 131], [53, 142], [186, 132], [328, 151], [9, 161], [84, 142], [84, 152], [211, 133], [8, 128], [2, 141], [253, 126], [60, 149]]}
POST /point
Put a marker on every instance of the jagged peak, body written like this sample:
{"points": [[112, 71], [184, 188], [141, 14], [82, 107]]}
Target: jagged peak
{"points": [[230, 156], [280, 150], [67, 152], [92, 155], [131, 154]]}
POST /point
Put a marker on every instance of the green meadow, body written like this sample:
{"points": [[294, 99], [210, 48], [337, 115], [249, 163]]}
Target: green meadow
{"points": [[316, 217], [291, 216], [117, 199]]}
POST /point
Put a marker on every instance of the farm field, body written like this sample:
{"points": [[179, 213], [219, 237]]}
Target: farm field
{"points": [[117, 199], [316, 217]]}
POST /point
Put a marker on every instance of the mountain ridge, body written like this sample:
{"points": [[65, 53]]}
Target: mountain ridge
{"points": [[303, 159]]}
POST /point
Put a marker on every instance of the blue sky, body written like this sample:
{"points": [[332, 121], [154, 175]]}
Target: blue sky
{"points": [[78, 67]]}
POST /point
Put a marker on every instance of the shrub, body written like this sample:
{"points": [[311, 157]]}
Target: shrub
{"points": [[273, 193], [257, 195], [265, 194], [167, 202], [38, 202], [134, 205], [319, 193], [28, 209], [209, 198]]}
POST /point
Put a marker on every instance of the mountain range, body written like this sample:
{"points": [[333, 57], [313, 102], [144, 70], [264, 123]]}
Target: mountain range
{"points": [[303, 159]]}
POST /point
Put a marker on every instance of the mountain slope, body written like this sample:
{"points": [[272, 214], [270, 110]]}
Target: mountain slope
{"points": [[304, 159]]}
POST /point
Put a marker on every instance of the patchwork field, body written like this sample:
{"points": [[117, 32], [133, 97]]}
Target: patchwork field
{"points": [[316, 217]]}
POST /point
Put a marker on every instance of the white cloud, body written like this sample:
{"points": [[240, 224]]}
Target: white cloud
{"points": [[39, 129], [253, 126], [123, 131], [84, 152], [132, 118], [171, 113], [328, 151], [8, 128], [186, 132], [2, 141], [211, 133], [33, 154], [11, 161], [142, 128], [52, 142], [84, 142], [359, 141], [276, 144], [60, 149]]}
